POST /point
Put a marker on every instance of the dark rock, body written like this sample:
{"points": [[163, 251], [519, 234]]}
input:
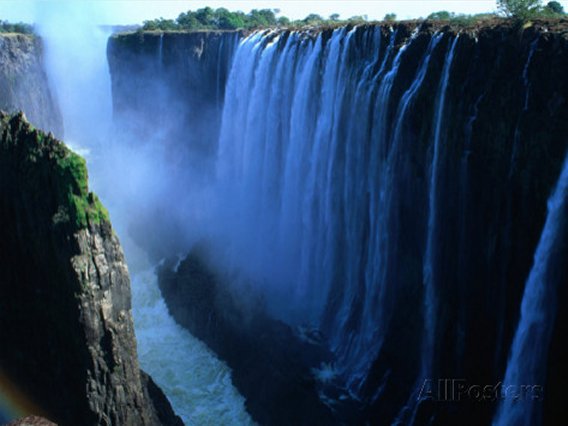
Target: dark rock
{"points": [[271, 365], [65, 306], [177, 80], [162, 406]]}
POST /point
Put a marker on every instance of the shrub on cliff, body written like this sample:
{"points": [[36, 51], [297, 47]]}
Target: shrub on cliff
{"points": [[41, 158], [554, 8], [20, 27], [519, 9], [442, 15], [390, 17]]}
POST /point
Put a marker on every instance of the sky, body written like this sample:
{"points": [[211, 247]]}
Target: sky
{"points": [[136, 11]]}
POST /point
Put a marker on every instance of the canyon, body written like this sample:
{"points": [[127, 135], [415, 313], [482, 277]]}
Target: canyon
{"points": [[347, 216]]}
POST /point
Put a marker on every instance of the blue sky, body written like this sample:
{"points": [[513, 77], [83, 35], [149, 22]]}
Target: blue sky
{"points": [[136, 11]]}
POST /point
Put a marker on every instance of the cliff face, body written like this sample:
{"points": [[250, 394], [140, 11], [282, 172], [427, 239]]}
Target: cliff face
{"points": [[272, 367], [23, 82], [65, 306], [390, 185], [175, 78]]}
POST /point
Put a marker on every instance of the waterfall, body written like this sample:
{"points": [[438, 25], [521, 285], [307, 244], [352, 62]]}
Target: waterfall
{"points": [[161, 53], [430, 259], [309, 171], [527, 361], [526, 80], [289, 160]]}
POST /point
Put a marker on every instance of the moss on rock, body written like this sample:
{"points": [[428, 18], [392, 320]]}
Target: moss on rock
{"points": [[39, 160]]}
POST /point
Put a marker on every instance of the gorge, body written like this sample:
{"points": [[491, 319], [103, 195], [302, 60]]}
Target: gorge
{"points": [[355, 219]]}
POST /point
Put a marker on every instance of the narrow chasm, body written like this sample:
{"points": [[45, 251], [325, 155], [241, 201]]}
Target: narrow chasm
{"points": [[349, 223]]}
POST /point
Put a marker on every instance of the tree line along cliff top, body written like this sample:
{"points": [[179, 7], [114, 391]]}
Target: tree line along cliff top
{"points": [[222, 19], [207, 18]]}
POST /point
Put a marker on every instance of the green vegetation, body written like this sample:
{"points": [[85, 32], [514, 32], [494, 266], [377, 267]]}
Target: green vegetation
{"points": [[390, 17], [39, 162], [442, 15], [519, 9], [460, 19], [527, 9], [20, 27], [86, 208], [555, 7], [222, 19]]}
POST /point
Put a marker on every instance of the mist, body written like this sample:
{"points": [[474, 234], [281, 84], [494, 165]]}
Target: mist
{"points": [[138, 164], [149, 153]]}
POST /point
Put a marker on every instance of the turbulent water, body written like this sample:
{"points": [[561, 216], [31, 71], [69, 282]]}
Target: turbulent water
{"points": [[197, 384]]}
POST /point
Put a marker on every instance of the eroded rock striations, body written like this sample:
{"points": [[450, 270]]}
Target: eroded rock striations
{"points": [[23, 81], [65, 306]]}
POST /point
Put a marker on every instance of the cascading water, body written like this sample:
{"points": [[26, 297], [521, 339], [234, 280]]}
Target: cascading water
{"points": [[364, 188], [526, 369], [302, 178], [430, 258], [287, 174]]}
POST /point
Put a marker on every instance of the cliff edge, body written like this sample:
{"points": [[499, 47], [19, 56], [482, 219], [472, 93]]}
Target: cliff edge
{"points": [[65, 306], [23, 81]]}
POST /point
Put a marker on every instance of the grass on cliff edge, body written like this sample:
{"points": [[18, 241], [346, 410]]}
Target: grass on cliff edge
{"points": [[85, 206], [50, 160]]}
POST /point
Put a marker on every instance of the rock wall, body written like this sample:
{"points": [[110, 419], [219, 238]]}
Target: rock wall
{"points": [[23, 82], [167, 91], [175, 79], [272, 367], [463, 239], [65, 307]]}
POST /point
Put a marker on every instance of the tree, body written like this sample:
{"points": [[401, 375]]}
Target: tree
{"points": [[442, 15], [261, 18], [230, 21], [205, 16], [334, 17], [390, 17], [313, 19], [357, 19], [519, 9], [555, 7]]}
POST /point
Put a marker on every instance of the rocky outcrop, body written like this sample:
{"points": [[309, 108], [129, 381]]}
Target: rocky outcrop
{"points": [[23, 82], [65, 307]]}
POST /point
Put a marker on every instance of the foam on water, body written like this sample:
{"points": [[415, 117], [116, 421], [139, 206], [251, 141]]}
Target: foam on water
{"points": [[196, 382]]}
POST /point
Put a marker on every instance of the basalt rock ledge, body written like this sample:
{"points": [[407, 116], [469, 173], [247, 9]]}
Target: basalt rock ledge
{"points": [[66, 329]]}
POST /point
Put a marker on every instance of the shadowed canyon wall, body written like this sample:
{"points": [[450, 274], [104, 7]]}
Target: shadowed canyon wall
{"points": [[66, 331], [387, 186], [168, 90]]}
